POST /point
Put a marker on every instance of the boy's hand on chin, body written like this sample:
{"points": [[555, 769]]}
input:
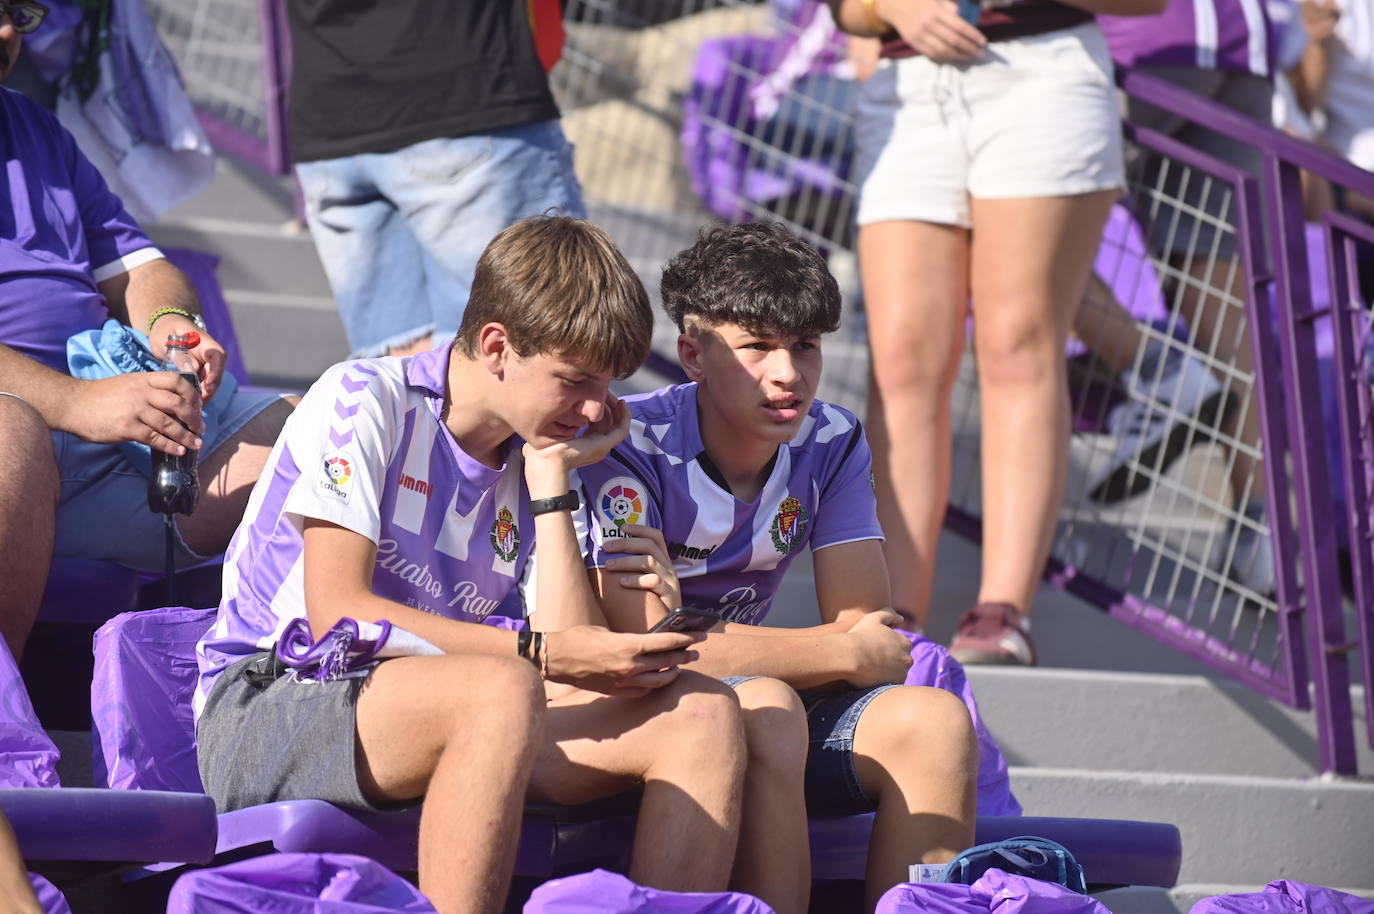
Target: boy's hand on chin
{"points": [[594, 443]]}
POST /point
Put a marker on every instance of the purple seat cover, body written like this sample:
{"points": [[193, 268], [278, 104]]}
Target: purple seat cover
{"points": [[145, 673], [27, 757], [1286, 897], [600, 892], [995, 892], [931, 665], [50, 900], [296, 884]]}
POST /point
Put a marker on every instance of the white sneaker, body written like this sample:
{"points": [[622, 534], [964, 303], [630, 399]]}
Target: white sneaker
{"points": [[1170, 386]]}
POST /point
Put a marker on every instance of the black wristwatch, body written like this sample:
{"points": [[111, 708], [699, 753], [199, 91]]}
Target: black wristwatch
{"points": [[566, 502]]}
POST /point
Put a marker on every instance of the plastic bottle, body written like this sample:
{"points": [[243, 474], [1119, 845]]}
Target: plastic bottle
{"points": [[174, 487]]}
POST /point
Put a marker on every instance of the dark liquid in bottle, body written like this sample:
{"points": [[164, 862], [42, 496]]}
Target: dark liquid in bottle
{"points": [[174, 487]]}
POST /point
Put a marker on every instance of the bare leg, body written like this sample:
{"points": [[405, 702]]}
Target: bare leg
{"points": [[915, 278], [16, 892], [461, 731], [28, 506], [917, 757], [227, 477], [1031, 259], [685, 743], [774, 859]]}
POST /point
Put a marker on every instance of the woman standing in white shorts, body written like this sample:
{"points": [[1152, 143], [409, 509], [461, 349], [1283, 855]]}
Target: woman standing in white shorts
{"points": [[988, 158]]}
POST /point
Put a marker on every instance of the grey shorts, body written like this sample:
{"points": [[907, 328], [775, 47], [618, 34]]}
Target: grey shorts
{"points": [[263, 737], [832, 781], [1195, 215]]}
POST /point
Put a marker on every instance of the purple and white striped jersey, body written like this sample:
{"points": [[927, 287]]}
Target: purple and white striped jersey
{"points": [[367, 450], [1213, 34], [730, 555]]}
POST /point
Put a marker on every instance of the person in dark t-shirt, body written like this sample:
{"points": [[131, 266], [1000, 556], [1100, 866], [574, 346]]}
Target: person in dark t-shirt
{"points": [[419, 131]]}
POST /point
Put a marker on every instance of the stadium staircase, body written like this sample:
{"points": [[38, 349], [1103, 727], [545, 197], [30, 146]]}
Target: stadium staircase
{"points": [[1111, 725]]}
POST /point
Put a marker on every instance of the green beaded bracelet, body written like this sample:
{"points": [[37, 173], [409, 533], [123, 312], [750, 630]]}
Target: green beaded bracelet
{"points": [[162, 312]]}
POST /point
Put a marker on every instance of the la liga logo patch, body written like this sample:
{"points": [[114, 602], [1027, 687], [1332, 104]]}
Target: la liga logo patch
{"points": [[337, 473], [621, 501]]}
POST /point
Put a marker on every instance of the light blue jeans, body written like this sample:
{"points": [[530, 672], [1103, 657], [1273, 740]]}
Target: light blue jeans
{"points": [[399, 233]]}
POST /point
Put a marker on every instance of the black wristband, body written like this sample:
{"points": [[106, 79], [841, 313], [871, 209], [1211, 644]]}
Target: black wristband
{"points": [[567, 502], [522, 642]]}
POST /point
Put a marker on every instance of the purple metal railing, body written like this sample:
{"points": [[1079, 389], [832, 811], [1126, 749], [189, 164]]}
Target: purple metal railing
{"points": [[1351, 325], [1310, 663], [1294, 431]]}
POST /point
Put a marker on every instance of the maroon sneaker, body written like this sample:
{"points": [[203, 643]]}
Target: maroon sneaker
{"points": [[993, 633]]}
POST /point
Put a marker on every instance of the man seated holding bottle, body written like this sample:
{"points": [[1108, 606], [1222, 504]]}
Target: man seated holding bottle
{"points": [[71, 258]]}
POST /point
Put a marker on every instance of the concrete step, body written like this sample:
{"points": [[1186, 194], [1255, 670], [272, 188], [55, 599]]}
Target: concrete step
{"points": [[1180, 899], [1148, 722], [279, 259], [1236, 830], [286, 344], [239, 193]]}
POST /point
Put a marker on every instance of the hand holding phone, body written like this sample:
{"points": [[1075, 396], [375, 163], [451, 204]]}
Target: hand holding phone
{"points": [[685, 620]]}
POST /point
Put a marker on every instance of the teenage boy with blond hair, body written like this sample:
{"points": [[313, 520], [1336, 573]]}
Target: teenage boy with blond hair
{"points": [[720, 484], [411, 490]]}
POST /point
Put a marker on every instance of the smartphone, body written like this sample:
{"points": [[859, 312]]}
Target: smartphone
{"points": [[970, 10], [685, 620]]}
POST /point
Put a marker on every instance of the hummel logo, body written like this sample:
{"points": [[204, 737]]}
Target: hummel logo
{"points": [[415, 485]]}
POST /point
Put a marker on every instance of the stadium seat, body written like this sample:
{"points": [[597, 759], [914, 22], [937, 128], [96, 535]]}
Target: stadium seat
{"points": [[110, 826], [141, 695]]}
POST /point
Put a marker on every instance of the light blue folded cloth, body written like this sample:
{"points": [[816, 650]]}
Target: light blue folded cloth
{"points": [[120, 349]]}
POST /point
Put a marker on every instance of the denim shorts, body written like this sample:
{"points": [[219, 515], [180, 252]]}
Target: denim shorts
{"points": [[832, 781], [103, 513], [399, 233]]}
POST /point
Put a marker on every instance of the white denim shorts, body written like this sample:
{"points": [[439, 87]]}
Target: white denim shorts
{"points": [[1035, 117]]}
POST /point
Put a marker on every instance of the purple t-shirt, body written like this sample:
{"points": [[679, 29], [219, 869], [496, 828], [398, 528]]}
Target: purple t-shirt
{"points": [[366, 449], [1212, 34], [61, 232], [730, 555]]}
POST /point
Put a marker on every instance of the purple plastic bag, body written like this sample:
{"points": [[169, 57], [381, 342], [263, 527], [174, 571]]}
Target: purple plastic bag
{"points": [[27, 757], [931, 665], [296, 884], [601, 892], [994, 891], [145, 674], [50, 900], [1284, 896]]}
